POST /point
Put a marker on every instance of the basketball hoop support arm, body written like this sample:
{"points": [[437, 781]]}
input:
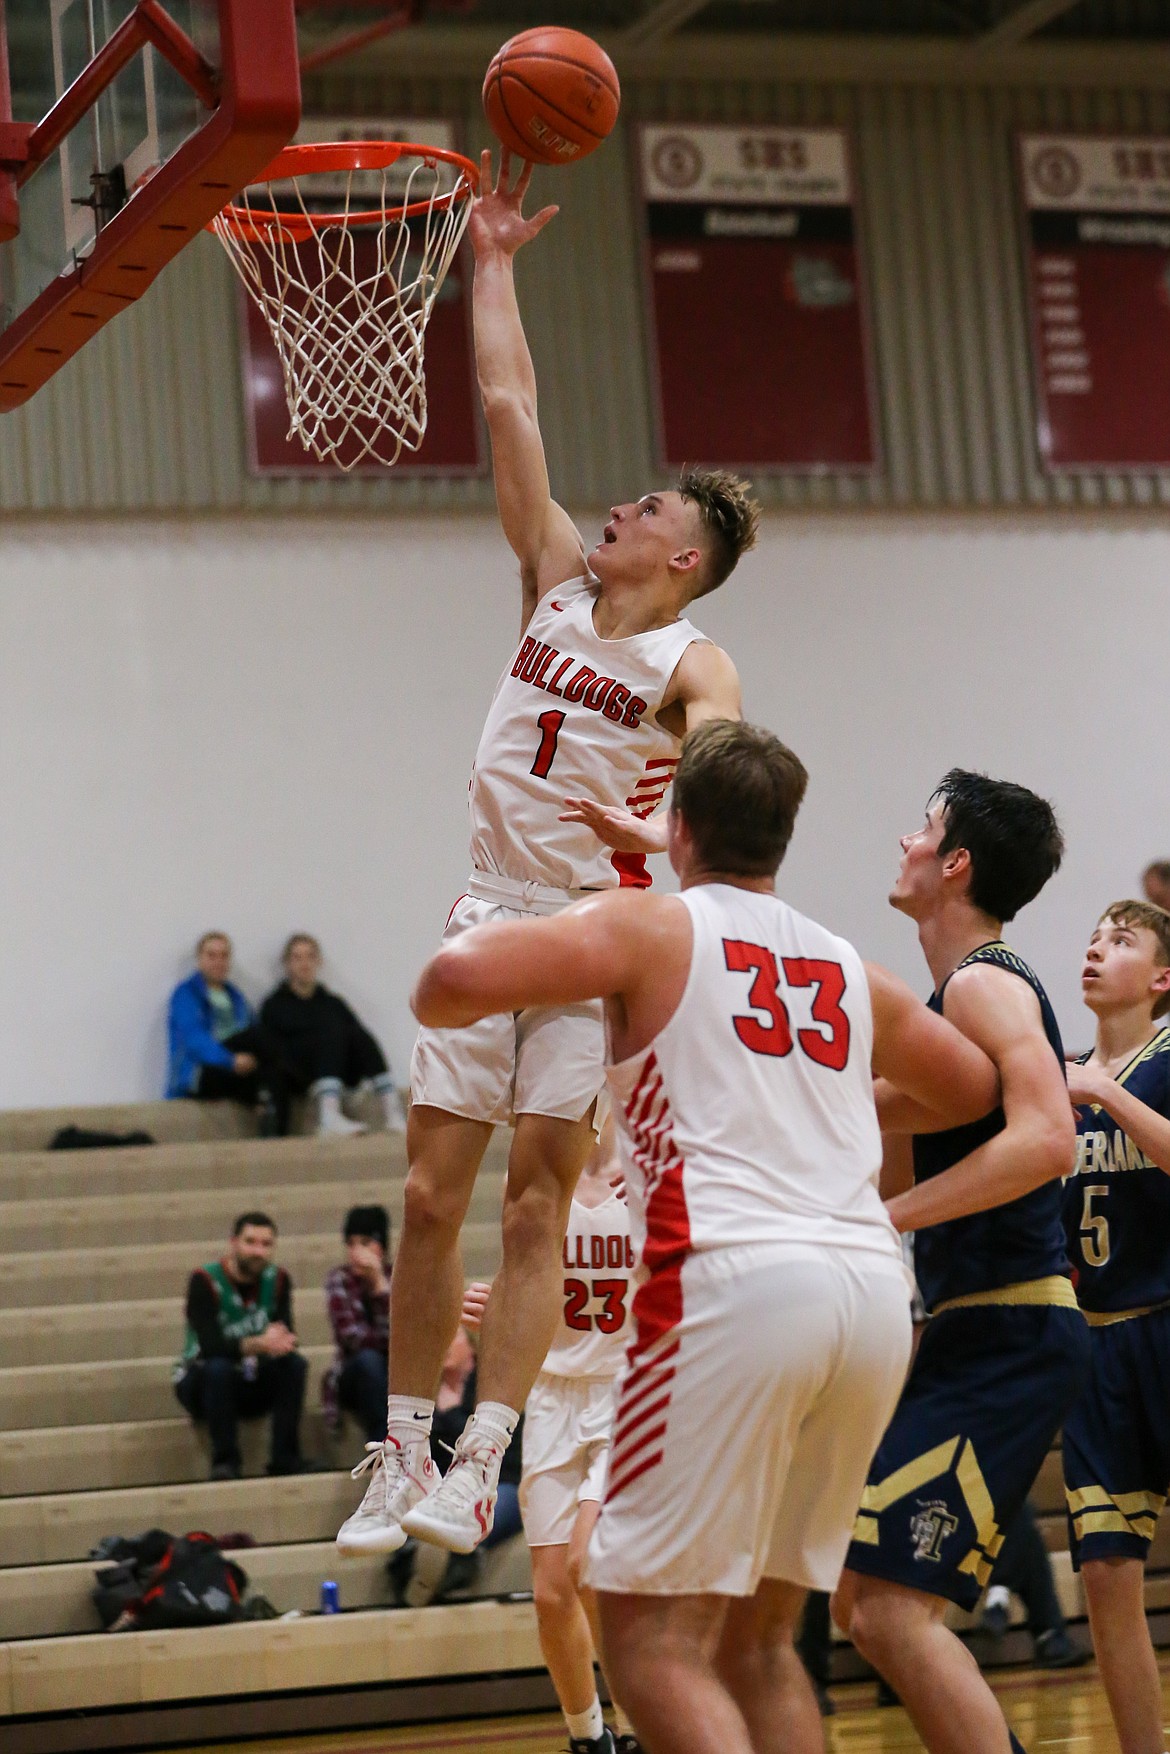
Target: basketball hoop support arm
{"points": [[255, 110], [148, 23]]}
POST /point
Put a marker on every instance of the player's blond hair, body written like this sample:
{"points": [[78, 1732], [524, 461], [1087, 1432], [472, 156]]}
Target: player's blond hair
{"points": [[729, 516], [1151, 918]]}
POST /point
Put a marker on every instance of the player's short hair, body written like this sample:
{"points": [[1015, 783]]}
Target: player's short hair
{"points": [[738, 790], [1154, 919], [729, 517], [1012, 836]]}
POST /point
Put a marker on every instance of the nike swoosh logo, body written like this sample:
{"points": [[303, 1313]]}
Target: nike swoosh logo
{"points": [[559, 607]]}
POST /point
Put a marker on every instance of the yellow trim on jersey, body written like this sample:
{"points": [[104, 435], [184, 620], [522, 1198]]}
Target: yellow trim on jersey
{"points": [[909, 1477], [1157, 1044], [1107, 1318], [913, 1475], [1083, 1498], [1054, 1291], [1097, 1512]]}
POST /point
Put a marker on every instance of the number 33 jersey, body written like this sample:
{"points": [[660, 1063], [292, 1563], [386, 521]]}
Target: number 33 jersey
{"points": [[573, 716], [598, 1260], [750, 1117]]}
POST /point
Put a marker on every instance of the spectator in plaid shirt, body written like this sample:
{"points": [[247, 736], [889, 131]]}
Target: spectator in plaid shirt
{"points": [[358, 1298]]}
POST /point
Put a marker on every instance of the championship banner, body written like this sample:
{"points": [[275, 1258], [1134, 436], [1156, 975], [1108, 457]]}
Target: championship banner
{"points": [[756, 298], [1097, 211], [452, 444]]}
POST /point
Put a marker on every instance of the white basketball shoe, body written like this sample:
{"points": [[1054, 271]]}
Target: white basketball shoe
{"points": [[459, 1513], [401, 1478]]}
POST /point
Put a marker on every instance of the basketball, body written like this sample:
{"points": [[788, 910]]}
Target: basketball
{"points": [[551, 95]]}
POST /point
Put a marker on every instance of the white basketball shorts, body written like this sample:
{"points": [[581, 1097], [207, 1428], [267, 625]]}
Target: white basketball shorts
{"points": [[743, 1437], [545, 1061], [568, 1422]]}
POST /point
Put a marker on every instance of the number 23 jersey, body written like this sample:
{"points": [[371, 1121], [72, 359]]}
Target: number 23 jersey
{"points": [[598, 1259], [1117, 1202], [573, 716]]}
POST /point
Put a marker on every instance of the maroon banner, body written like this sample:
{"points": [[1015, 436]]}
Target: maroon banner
{"points": [[1097, 213], [756, 298]]}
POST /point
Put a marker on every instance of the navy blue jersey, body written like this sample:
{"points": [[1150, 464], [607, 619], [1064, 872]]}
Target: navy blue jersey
{"points": [[1116, 1202], [1009, 1244]]}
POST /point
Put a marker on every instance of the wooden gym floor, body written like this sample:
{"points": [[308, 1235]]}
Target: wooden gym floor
{"points": [[1047, 1711]]}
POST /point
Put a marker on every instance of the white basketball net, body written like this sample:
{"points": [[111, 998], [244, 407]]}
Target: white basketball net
{"points": [[348, 305]]}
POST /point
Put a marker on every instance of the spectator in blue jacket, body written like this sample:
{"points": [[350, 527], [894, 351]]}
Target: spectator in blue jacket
{"points": [[217, 1050]]}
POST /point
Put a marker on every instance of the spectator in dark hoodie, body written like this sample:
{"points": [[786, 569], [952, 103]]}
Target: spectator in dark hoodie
{"points": [[324, 1044]]}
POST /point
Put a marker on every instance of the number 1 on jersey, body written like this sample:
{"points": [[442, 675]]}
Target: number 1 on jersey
{"points": [[550, 729]]}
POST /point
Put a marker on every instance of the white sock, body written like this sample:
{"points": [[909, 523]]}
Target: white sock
{"points": [[496, 1420], [586, 1726], [408, 1419], [391, 1100], [998, 1597], [328, 1094]]}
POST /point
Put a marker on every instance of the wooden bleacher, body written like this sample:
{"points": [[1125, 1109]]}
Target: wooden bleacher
{"points": [[96, 1250], [97, 1246]]}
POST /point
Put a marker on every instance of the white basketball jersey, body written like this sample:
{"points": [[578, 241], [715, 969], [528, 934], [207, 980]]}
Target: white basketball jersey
{"points": [[598, 1259], [750, 1118], [573, 717]]}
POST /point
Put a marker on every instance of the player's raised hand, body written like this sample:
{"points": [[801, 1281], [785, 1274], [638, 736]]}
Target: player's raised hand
{"points": [[475, 1302], [618, 828], [497, 223]]}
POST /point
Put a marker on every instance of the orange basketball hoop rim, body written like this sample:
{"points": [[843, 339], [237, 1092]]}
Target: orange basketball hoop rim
{"points": [[328, 158]]}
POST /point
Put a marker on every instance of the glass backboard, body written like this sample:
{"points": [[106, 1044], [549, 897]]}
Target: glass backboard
{"points": [[187, 99]]}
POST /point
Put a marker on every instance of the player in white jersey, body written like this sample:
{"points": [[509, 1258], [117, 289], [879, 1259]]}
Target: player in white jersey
{"points": [[580, 743], [772, 1317], [568, 1423]]}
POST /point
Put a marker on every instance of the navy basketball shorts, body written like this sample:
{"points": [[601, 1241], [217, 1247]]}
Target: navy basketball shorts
{"points": [[1117, 1441], [984, 1400]]}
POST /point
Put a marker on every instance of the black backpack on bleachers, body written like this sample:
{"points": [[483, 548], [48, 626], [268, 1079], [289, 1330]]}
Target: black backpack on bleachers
{"points": [[161, 1581]]}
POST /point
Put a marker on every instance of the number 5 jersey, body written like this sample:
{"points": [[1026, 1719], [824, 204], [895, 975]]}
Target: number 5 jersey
{"points": [[573, 716], [1117, 1202]]}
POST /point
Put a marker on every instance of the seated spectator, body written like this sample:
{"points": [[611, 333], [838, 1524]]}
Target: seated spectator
{"points": [[358, 1298], [324, 1046], [1156, 883], [216, 1050], [240, 1359]]}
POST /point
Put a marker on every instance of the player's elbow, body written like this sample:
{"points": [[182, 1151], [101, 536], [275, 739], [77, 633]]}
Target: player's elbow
{"points": [[1054, 1148], [506, 409], [442, 996]]}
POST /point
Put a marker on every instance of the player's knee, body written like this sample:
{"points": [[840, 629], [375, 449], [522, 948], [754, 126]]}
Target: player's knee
{"points": [[869, 1625], [553, 1594], [429, 1205], [531, 1223]]}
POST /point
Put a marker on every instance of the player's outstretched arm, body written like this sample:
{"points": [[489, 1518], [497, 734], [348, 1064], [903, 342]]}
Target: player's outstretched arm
{"points": [[923, 1060], [705, 685], [541, 534], [1149, 1130], [1001, 1014], [592, 950]]}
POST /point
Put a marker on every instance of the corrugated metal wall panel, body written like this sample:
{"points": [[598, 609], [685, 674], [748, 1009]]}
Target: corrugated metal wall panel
{"points": [[150, 415]]}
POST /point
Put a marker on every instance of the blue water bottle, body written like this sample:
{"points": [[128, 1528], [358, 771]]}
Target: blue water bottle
{"points": [[330, 1598]]}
